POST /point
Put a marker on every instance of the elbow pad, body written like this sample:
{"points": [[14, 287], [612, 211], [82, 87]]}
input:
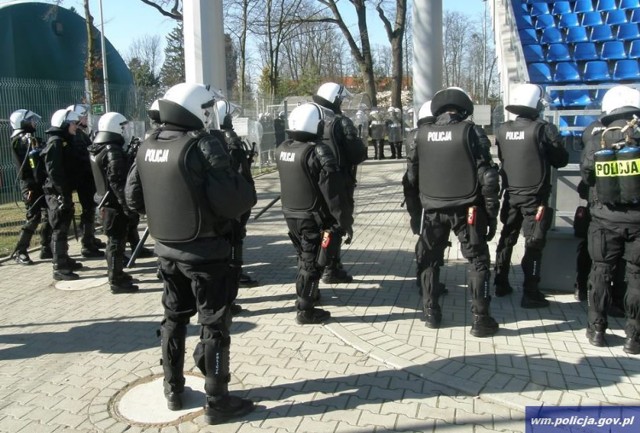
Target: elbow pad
{"points": [[326, 158], [490, 182]]}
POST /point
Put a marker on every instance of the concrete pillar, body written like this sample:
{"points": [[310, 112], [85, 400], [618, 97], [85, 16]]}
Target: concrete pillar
{"points": [[204, 54], [427, 51]]}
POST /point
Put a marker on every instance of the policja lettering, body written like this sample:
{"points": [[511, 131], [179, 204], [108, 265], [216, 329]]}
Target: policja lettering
{"points": [[515, 135], [156, 155], [618, 168], [287, 156], [439, 136]]}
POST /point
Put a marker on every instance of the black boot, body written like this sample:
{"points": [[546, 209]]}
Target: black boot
{"points": [[45, 252], [632, 343], [20, 254], [88, 240], [532, 297], [173, 336], [580, 292], [483, 324], [430, 294], [501, 285], [22, 258], [119, 281], [213, 360], [595, 334], [246, 281], [63, 265]]}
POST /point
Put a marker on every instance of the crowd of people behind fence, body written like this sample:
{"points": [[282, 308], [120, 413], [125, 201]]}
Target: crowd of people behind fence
{"points": [[191, 167]]}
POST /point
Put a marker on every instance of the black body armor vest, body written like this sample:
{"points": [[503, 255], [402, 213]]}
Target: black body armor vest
{"points": [[299, 192], [98, 164], [448, 174], [329, 138], [522, 158], [177, 210]]}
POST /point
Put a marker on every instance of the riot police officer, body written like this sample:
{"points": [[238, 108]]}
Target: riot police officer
{"points": [[241, 160], [84, 184], [315, 203], [527, 147], [609, 165], [26, 149], [394, 132], [184, 181], [376, 134], [279, 128], [450, 176], [110, 166], [58, 188], [341, 136]]}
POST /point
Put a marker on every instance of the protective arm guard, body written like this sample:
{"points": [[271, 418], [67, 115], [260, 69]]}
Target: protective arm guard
{"points": [[333, 187], [556, 153], [117, 173], [355, 149], [490, 183], [414, 206], [587, 163], [133, 193]]}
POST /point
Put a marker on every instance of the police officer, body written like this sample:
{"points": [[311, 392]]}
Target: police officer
{"points": [[609, 166], [110, 166], [241, 160], [279, 127], [394, 132], [376, 133], [184, 181], [58, 188], [26, 149], [450, 176], [84, 185], [342, 137], [315, 203], [527, 147]]}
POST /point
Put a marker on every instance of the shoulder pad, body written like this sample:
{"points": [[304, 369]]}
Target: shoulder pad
{"points": [[348, 126], [213, 151], [325, 154]]}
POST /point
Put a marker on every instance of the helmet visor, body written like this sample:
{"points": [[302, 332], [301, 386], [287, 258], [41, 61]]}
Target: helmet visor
{"points": [[210, 115]]}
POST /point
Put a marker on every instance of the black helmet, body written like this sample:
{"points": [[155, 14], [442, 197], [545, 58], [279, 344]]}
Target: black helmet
{"points": [[452, 97]]}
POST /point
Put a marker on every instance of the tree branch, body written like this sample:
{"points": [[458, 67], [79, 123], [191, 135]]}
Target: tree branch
{"points": [[174, 13]]}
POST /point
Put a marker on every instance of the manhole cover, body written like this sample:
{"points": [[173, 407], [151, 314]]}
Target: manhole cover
{"points": [[81, 284]]}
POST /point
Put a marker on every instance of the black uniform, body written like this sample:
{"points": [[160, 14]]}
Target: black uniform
{"points": [[527, 148], [31, 176], [110, 166], [279, 129], [58, 188], [613, 174], [341, 135], [185, 184], [451, 177], [318, 209], [133, 218], [84, 185]]}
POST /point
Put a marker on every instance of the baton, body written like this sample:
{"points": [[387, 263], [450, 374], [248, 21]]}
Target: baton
{"points": [[403, 202], [422, 222], [267, 207], [104, 198], [136, 251]]}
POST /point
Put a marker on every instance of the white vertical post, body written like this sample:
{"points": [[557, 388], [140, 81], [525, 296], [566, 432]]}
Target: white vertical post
{"points": [[105, 74], [427, 51], [204, 44]]}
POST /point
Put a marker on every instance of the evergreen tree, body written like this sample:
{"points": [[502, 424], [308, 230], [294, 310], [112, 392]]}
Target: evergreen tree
{"points": [[172, 71]]}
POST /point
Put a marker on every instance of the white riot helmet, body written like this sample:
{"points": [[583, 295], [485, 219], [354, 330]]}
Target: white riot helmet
{"points": [[452, 98], [306, 122], [63, 118], [154, 112], [24, 119], [81, 109], [331, 93], [425, 114], [113, 128], [620, 102], [526, 100], [191, 106]]}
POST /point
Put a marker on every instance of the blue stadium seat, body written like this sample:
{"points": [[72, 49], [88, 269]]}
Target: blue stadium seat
{"points": [[558, 53], [629, 4], [613, 50], [606, 5], [540, 73], [551, 35], [634, 49], [635, 16], [615, 18], [601, 33], [583, 121], [584, 51], [563, 123], [596, 70], [524, 22], [590, 19], [545, 21], [597, 99], [575, 98], [576, 34], [528, 36], [539, 8], [582, 6], [625, 70], [554, 97], [561, 8], [568, 20], [628, 31], [566, 72], [533, 53]]}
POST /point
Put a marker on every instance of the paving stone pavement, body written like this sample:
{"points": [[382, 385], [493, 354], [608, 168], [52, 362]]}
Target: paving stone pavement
{"points": [[65, 355]]}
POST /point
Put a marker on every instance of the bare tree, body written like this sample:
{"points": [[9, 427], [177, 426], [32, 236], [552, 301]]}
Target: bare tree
{"points": [[455, 41], [148, 50], [395, 34], [161, 6], [362, 53]]}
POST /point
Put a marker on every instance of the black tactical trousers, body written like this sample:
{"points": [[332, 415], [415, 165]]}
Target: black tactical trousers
{"points": [[517, 215], [37, 212], [86, 190], [306, 237], [115, 224], [60, 214], [609, 243], [434, 240], [190, 289]]}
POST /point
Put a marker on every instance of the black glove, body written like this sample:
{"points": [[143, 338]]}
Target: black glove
{"points": [[349, 234], [493, 226], [415, 225]]}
